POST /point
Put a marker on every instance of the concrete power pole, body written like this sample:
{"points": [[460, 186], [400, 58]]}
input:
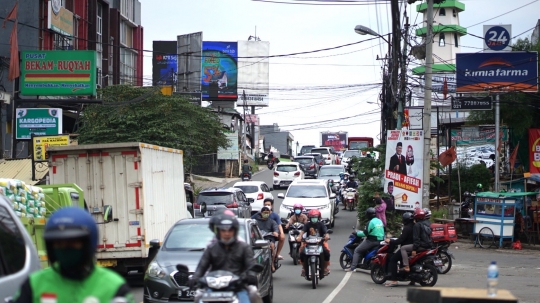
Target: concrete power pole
{"points": [[427, 104]]}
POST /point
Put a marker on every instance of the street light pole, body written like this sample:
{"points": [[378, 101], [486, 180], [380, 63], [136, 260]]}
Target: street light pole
{"points": [[427, 104]]}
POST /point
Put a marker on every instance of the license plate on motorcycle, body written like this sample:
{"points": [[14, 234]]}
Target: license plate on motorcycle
{"points": [[312, 252], [186, 293], [438, 262], [219, 294]]}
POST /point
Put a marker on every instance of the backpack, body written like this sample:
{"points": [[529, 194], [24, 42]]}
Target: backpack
{"points": [[426, 235]]}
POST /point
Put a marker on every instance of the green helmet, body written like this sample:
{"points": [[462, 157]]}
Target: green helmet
{"points": [[479, 185]]}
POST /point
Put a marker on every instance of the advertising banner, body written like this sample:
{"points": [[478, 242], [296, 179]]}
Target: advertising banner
{"points": [[498, 37], [60, 19], [414, 118], [404, 168], [189, 62], [231, 152], [336, 140], [41, 144], [484, 135], [497, 72], [38, 121], [58, 73], [534, 151], [253, 73], [219, 71], [164, 62], [251, 119]]}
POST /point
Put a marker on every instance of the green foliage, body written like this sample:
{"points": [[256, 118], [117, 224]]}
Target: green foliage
{"points": [[138, 114], [470, 177], [439, 214]]}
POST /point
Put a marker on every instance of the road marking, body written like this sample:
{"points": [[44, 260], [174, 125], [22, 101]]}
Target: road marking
{"points": [[334, 293]]}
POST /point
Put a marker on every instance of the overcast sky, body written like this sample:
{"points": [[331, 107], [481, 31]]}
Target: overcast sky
{"points": [[295, 103]]}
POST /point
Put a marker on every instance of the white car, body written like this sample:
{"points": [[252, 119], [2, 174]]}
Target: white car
{"points": [[258, 191], [312, 194], [348, 154], [286, 172], [328, 154]]}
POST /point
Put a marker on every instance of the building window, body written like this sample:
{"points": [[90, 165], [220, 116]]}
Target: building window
{"points": [[128, 70], [454, 12], [123, 32], [441, 40], [442, 11], [99, 43], [62, 42], [456, 40], [127, 9]]}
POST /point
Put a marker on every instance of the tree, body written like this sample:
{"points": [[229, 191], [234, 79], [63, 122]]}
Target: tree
{"points": [[470, 177], [138, 114]]}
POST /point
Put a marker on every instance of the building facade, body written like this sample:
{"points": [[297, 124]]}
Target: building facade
{"points": [[274, 137]]}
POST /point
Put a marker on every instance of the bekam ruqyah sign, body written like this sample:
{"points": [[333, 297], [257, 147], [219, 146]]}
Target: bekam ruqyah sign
{"points": [[58, 73]]}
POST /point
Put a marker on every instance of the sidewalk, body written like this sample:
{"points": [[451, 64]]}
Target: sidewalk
{"points": [[465, 243]]}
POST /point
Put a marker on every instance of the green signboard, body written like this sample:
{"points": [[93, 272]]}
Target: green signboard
{"points": [[38, 121], [484, 135], [58, 73]]}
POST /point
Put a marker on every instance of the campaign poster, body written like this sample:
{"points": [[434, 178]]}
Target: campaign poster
{"points": [[219, 71], [404, 168]]}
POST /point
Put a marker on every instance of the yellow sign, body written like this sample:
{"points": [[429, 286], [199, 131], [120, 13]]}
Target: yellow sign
{"points": [[42, 143]]}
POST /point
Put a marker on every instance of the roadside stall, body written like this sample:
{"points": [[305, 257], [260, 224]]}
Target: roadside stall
{"points": [[495, 214]]}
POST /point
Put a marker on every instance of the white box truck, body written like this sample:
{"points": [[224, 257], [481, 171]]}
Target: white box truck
{"points": [[135, 192]]}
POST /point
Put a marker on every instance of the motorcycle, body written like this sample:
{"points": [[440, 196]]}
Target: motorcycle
{"points": [[294, 231], [346, 257], [445, 256], [467, 206], [270, 164], [219, 285], [314, 254], [350, 198], [246, 177], [270, 237], [423, 267]]}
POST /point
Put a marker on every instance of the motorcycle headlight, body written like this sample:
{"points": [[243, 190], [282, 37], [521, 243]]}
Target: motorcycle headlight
{"points": [[155, 271], [218, 283]]}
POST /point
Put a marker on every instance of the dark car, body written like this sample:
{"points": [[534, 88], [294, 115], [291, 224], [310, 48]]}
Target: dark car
{"points": [[305, 149], [330, 172], [309, 165], [318, 157], [185, 243], [230, 197]]}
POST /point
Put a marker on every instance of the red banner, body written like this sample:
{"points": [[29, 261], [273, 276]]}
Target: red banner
{"points": [[534, 150]]}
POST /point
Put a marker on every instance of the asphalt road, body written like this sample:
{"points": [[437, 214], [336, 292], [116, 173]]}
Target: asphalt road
{"points": [[519, 271]]}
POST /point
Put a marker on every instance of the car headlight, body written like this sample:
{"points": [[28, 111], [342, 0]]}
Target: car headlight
{"points": [[155, 271], [218, 283]]}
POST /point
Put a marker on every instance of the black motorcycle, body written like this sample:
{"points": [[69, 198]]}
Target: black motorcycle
{"points": [[294, 231], [270, 237], [313, 267], [467, 206]]}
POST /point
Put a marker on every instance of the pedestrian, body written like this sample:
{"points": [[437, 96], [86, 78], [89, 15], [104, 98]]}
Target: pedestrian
{"points": [[380, 208]]}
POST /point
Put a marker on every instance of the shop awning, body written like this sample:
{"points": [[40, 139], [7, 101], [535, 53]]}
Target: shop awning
{"points": [[22, 170], [489, 194]]}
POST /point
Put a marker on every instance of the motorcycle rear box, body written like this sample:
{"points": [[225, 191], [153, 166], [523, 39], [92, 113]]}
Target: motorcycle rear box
{"points": [[443, 232]]}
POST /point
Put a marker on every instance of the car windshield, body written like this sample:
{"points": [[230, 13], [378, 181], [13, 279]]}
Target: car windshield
{"points": [[248, 189], [286, 168], [351, 153], [306, 149], [330, 171], [303, 160], [215, 198], [306, 191], [322, 151], [193, 236], [358, 145]]}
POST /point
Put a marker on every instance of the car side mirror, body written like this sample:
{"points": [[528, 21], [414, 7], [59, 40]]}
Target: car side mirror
{"points": [[260, 244], [281, 196], [329, 231], [332, 196], [203, 208], [155, 243], [250, 200], [271, 189], [182, 268]]}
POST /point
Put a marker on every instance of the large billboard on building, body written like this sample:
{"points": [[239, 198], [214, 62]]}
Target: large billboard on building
{"points": [[58, 73], [337, 140], [219, 79], [189, 62], [253, 72], [497, 72], [164, 62], [60, 19], [534, 151], [404, 168]]}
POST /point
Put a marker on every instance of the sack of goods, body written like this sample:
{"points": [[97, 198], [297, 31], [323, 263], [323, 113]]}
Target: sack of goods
{"points": [[27, 200]]}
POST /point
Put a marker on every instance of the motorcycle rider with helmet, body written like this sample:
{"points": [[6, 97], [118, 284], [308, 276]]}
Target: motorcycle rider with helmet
{"points": [[71, 238], [226, 254], [269, 226], [421, 234], [314, 227], [246, 169], [374, 235], [298, 216], [406, 241]]}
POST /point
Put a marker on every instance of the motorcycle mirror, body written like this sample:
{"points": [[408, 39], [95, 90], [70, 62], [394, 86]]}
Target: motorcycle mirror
{"points": [[257, 268], [330, 231], [182, 268]]}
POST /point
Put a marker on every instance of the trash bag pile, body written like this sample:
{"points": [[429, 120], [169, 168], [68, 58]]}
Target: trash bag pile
{"points": [[28, 201]]}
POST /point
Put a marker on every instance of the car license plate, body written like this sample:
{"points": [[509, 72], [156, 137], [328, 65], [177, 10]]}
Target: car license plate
{"points": [[438, 262], [186, 293], [219, 294], [285, 182]]}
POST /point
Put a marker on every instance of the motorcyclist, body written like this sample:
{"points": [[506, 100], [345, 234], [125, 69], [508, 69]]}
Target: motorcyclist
{"points": [[351, 183], [71, 238], [268, 226], [405, 240], [314, 227], [421, 234], [246, 169], [374, 235], [226, 254], [297, 216], [274, 216]]}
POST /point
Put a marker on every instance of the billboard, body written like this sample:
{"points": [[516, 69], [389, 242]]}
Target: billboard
{"points": [[164, 62], [42, 143], [58, 73], [189, 62], [219, 79], [484, 135], [404, 168], [497, 72], [534, 151], [60, 19], [231, 152], [253, 73], [38, 122], [338, 140]]}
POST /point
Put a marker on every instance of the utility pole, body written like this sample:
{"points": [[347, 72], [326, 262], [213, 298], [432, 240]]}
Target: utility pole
{"points": [[498, 141], [395, 56], [427, 104], [403, 86]]}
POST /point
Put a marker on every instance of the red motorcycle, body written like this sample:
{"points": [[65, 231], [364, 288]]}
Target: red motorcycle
{"points": [[423, 267]]}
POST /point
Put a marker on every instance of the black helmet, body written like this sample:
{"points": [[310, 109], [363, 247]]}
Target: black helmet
{"points": [[226, 222], [407, 218], [371, 213], [428, 213], [467, 194], [70, 224], [217, 217]]}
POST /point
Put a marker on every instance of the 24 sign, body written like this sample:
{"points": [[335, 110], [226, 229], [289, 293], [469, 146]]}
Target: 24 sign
{"points": [[497, 37]]}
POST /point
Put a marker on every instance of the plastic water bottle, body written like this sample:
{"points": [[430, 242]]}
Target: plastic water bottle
{"points": [[492, 279]]}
